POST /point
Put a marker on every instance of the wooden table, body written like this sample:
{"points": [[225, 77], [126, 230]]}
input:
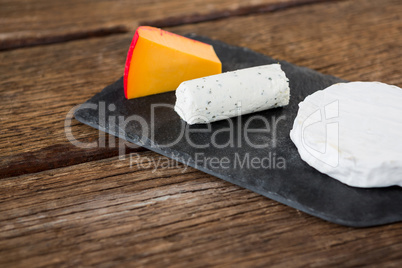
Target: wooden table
{"points": [[67, 206]]}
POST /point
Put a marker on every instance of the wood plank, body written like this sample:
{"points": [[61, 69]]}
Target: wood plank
{"points": [[38, 87], [64, 75], [151, 211], [355, 40], [28, 23]]}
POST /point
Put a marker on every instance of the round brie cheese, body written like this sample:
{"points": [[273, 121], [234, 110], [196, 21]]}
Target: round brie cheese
{"points": [[353, 133]]}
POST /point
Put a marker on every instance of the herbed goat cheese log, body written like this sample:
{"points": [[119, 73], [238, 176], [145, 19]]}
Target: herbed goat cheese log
{"points": [[230, 94]]}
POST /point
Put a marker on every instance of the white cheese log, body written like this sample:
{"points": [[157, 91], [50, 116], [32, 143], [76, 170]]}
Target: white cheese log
{"points": [[230, 94]]}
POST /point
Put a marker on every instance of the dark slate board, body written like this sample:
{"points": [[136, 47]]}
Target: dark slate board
{"points": [[298, 185]]}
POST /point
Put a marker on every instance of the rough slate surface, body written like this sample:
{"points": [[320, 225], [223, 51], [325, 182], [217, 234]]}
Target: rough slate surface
{"points": [[293, 183]]}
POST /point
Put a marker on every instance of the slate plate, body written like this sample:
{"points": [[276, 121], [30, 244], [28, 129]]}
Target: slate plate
{"points": [[281, 174]]}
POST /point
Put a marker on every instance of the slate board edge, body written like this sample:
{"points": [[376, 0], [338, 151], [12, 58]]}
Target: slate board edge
{"points": [[281, 62], [187, 160], [271, 195]]}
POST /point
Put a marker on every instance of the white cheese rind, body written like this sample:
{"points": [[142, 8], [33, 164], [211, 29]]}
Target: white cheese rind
{"points": [[230, 94], [353, 133]]}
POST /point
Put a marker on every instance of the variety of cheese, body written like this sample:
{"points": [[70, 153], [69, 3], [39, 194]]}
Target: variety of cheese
{"points": [[353, 132], [158, 61], [350, 131], [231, 94]]}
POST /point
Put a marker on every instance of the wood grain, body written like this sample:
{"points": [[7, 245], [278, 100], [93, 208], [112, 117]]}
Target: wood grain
{"points": [[227, 13], [151, 211], [39, 86], [141, 212], [354, 40], [28, 23]]}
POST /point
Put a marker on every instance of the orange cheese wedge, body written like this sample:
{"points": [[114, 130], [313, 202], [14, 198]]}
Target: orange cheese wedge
{"points": [[158, 61]]}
